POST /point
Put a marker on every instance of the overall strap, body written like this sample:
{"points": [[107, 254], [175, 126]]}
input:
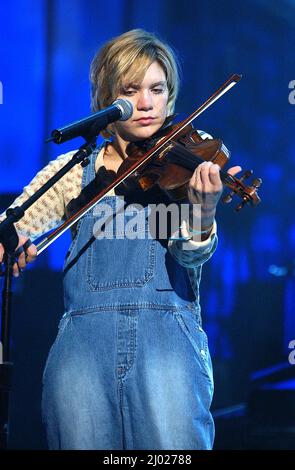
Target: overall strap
{"points": [[89, 170]]}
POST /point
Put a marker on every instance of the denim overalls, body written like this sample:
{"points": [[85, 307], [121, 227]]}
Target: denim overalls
{"points": [[130, 367]]}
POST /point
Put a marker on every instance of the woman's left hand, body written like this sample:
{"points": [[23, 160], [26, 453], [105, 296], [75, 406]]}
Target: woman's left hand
{"points": [[205, 188]]}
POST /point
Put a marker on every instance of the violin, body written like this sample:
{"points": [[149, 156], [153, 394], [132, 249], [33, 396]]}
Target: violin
{"points": [[171, 170], [166, 162]]}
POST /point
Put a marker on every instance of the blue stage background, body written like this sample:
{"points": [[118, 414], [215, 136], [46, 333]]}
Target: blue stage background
{"points": [[45, 51]]}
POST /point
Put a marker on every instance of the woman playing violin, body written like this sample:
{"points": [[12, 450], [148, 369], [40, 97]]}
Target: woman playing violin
{"points": [[130, 367]]}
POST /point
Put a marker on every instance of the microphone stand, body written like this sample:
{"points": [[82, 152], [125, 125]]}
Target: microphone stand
{"points": [[9, 240]]}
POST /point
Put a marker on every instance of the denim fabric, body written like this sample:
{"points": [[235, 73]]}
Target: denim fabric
{"points": [[130, 367]]}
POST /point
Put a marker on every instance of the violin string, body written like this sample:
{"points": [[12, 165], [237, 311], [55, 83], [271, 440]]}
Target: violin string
{"points": [[185, 158]]}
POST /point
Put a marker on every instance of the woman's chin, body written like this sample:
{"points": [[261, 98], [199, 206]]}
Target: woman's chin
{"points": [[143, 133]]}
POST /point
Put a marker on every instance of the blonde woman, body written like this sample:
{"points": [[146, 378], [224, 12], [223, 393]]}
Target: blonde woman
{"points": [[130, 367]]}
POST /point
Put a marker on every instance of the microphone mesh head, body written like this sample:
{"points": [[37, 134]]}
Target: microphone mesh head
{"points": [[125, 107]]}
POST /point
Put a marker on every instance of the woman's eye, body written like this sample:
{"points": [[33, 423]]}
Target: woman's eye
{"points": [[129, 92], [158, 90]]}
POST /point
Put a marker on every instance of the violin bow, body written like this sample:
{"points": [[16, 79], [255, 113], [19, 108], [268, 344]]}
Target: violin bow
{"points": [[228, 84]]}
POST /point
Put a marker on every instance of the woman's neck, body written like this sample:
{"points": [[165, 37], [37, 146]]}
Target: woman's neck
{"points": [[119, 146], [114, 154]]}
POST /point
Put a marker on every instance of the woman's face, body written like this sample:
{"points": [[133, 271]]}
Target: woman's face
{"points": [[149, 99]]}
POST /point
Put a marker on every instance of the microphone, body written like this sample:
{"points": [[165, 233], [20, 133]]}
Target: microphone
{"points": [[119, 110]]}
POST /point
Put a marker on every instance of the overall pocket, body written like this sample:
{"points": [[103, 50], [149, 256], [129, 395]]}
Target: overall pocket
{"points": [[120, 261]]}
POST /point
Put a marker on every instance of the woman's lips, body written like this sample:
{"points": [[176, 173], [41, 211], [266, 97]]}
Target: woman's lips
{"points": [[145, 121]]}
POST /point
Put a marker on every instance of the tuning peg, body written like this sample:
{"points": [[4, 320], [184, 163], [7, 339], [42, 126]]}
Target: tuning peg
{"points": [[241, 205], [228, 197], [256, 183], [246, 175]]}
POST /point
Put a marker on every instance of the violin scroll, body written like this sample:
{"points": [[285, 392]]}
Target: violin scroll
{"points": [[247, 193]]}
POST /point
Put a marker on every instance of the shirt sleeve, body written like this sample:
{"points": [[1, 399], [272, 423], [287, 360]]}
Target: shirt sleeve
{"points": [[49, 211], [190, 253]]}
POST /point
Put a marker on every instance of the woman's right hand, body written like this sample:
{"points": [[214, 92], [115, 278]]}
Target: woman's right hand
{"points": [[26, 256]]}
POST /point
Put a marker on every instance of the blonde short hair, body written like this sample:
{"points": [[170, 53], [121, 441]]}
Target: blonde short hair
{"points": [[127, 57]]}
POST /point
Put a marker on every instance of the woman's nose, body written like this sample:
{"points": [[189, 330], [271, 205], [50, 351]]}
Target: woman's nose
{"points": [[145, 101]]}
